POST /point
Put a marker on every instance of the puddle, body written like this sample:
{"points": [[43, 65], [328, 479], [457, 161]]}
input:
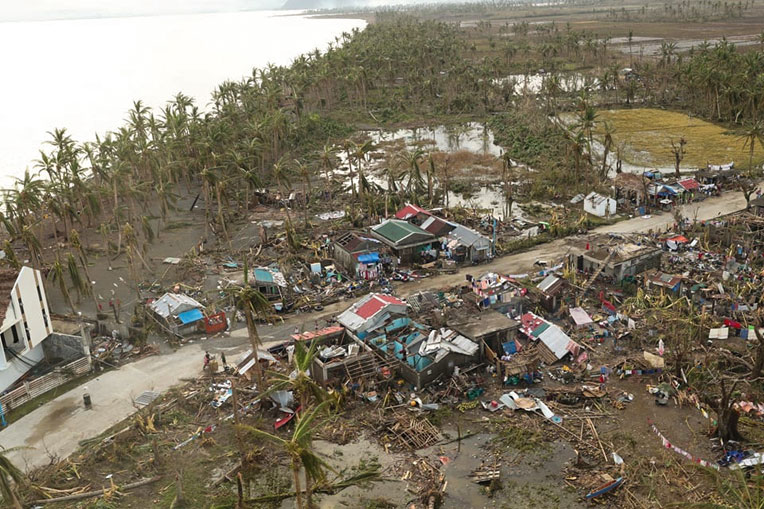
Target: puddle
{"points": [[534, 83], [350, 455], [56, 418], [472, 137], [531, 480]]}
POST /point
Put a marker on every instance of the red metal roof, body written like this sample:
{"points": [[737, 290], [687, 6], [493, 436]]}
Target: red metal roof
{"points": [[410, 211], [689, 184], [370, 309], [375, 304]]}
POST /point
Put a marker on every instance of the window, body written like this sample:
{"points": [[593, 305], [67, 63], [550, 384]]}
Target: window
{"points": [[45, 317], [39, 292], [15, 335]]}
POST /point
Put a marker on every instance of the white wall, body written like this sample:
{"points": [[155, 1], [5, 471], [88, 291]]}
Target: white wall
{"points": [[37, 317], [602, 208], [14, 368]]}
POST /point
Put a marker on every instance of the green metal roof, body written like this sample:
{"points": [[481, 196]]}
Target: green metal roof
{"points": [[395, 231]]}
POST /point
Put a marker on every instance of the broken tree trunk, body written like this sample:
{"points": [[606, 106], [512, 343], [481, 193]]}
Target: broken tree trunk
{"points": [[91, 494]]}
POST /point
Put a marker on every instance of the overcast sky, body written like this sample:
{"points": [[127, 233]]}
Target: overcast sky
{"points": [[57, 9]]}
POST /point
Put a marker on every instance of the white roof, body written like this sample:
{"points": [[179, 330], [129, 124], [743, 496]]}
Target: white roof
{"points": [[556, 340], [467, 237], [547, 282], [173, 304], [446, 340], [596, 198], [580, 316]]}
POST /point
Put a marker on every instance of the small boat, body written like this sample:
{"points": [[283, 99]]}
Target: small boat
{"points": [[605, 488], [285, 420]]}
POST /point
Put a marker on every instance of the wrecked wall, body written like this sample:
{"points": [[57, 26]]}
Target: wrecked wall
{"points": [[62, 348]]}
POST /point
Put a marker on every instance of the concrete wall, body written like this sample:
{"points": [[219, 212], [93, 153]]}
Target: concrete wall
{"points": [[62, 347]]}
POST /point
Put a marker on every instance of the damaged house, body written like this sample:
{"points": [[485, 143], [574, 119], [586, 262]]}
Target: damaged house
{"points": [[598, 205], [270, 282], [551, 292], [553, 343], [490, 329], [360, 255], [417, 352], [177, 313], [617, 260], [406, 241], [466, 245], [371, 312], [498, 292], [413, 214], [421, 354], [26, 323]]}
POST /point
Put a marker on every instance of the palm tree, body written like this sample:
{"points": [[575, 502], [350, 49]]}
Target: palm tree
{"points": [[299, 449], [300, 380], [74, 240], [57, 275], [253, 303], [415, 182], [753, 133], [10, 477], [327, 156]]}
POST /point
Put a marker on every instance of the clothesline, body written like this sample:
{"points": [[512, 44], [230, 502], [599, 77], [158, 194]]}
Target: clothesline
{"points": [[668, 445]]}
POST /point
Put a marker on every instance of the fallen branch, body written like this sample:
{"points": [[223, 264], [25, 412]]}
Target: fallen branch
{"points": [[98, 493]]}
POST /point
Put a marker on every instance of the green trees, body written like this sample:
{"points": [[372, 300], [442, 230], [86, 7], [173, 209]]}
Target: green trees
{"points": [[751, 135], [299, 448]]}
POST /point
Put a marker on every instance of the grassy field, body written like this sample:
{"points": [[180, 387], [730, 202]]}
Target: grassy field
{"points": [[646, 134]]}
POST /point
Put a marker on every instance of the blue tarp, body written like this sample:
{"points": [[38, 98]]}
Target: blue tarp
{"points": [[263, 275], [190, 316], [510, 347], [369, 258]]}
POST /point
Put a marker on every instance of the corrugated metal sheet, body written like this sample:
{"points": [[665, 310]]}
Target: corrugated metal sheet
{"points": [[556, 340], [547, 283], [172, 304]]}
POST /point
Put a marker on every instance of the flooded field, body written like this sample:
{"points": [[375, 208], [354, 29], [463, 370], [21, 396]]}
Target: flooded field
{"points": [[468, 149], [534, 83]]}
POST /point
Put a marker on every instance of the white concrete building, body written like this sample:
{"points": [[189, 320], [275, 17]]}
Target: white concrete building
{"points": [[26, 323], [599, 205]]}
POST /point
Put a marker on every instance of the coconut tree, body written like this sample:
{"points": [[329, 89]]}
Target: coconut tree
{"points": [[299, 448], [10, 477], [327, 166], [253, 304], [57, 276], [414, 182], [299, 380], [752, 134]]}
